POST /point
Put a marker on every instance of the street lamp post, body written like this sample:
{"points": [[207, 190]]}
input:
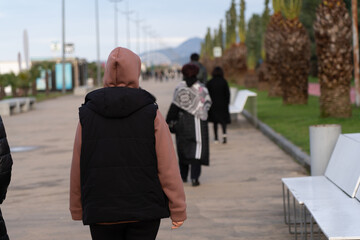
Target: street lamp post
{"points": [[138, 21], [146, 43], [127, 13], [115, 21], [98, 69], [63, 47]]}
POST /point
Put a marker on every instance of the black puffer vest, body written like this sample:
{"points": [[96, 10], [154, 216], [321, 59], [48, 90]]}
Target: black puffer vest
{"points": [[118, 163]]}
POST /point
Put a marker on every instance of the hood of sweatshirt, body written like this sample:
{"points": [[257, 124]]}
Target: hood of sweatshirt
{"points": [[123, 69]]}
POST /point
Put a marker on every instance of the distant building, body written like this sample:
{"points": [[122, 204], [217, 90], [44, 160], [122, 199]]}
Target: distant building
{"points": [[10, 66]]}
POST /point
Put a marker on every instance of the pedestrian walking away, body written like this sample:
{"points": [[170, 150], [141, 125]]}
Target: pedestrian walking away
{"points": [[202, 74], [187, 118], [220, 96], [5, 175], [124, 174]]}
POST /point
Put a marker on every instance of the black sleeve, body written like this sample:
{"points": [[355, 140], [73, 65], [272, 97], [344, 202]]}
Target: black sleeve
{"points": [[5, 163], [172, 117]]}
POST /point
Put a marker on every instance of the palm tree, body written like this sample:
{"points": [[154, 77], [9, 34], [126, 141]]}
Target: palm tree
{"points": [[3, 83], [12, 80], [34, 74], [47, 66], [24, 81], [295, 55], [273, 43], [333, 41]]}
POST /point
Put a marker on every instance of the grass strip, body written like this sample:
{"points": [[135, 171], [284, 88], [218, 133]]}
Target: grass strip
{"points": [[293, 121]]}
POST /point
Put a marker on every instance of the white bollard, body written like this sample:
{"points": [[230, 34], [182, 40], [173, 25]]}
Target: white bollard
{"points": [[322, 142]]}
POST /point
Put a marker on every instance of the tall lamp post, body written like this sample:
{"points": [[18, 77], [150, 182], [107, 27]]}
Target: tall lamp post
{"points": [[63, 47], [356, 50], [115, 21], [146, 44], [127, 13], [138, 21], [98, 67]]}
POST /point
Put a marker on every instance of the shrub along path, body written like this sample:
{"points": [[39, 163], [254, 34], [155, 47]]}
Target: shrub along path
{"points": [[240, 195]]}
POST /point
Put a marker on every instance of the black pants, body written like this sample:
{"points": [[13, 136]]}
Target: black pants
{"points": [[3, 232], [223, 125], [145, 230], [195, 170]]}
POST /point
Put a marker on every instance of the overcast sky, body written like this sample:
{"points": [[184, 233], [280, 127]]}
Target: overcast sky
{"points": [[167, 23]]}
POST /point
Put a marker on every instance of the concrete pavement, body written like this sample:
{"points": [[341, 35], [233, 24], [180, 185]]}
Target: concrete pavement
{"points": [[240, 195]]}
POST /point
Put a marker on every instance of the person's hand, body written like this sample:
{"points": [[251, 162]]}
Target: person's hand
{"points": [[177, 224]]}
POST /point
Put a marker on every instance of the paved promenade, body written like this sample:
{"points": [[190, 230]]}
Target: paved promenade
{"points": [[240, 196]]}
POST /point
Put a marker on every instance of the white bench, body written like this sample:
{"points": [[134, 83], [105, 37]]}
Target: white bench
{"points": [[233, 92], [337, 218], [242, 96], [320, 195], [16, 105]]}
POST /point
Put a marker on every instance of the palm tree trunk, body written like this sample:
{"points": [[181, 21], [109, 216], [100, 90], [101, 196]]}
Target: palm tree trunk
{"points": [[33, 88], [46, 82], [333, 45], [13, 91], [335, 102], [2, 92]]}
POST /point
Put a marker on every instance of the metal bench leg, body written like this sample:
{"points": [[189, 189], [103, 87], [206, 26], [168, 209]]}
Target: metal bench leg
{"points": [[311, 228], [295, 223], [288, 203], [302, 223], [287, 212], [284, 203], [305, 223]]}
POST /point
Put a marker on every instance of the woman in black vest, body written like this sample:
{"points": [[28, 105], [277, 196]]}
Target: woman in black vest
{"points": [[5, 175], [124, 173], [187, 118]]}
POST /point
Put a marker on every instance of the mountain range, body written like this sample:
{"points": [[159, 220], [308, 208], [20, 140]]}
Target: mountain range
{"points": [[172, 56]]}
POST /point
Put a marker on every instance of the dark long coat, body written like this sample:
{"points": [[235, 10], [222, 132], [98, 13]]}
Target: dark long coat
{"points": [[220, 96], [5, 174]]}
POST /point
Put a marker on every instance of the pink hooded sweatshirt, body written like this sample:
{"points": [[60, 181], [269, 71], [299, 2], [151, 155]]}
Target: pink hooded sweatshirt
{"points": [[123, 70]]}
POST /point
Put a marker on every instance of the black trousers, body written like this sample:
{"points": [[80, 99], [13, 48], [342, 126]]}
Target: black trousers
{"points": [[194, 172], [223, 125], [3, 232], [145, 230]]}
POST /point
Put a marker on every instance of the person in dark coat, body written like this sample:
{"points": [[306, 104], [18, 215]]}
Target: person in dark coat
{"points": [[187, 118], [220, 95], [5, 175], [202, 74]]}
